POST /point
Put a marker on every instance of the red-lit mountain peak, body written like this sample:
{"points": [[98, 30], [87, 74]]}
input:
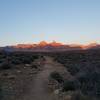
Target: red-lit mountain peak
{"points": [[43, 43], [55, 44]]}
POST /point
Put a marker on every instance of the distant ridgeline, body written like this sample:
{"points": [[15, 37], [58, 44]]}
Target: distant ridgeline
{"points": [[48, 47]]}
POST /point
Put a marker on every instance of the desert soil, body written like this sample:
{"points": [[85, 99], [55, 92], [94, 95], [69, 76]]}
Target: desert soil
{"points": [[38, 89]]}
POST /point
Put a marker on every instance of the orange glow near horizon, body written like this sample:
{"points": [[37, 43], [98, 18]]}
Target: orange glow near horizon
{"points": [[56, 44]]}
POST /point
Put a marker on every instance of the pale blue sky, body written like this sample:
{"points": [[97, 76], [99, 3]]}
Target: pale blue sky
{"points": [[68, 21]]}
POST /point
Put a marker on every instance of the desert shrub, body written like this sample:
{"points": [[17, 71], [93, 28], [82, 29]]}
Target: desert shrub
{"points": [[26, 60], [90, 83], [1, 61], [55, 75], [23, 58], [86, 66], [1, 94], [16, 61], [5, 66], [34, 66], [73, 69], [71, 85], [2, 56], [80, 96]]}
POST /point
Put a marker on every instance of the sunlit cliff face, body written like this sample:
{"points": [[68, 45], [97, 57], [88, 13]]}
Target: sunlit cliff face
{"points": [[43, 43], [55, 44], [84, 46], [89, 45]]}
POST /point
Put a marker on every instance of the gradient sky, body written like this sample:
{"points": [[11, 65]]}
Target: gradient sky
{"points": [[68, 21]]}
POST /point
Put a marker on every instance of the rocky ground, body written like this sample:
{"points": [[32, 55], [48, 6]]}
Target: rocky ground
{"points": [[39, 86], [24, 82], [44, 78]]}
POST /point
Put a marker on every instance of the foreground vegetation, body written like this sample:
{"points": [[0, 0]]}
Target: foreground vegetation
{"points": [[84, 66], [16, 70]]}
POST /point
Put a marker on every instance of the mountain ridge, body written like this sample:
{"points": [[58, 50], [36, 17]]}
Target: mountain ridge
{"points": [[48, 47]]}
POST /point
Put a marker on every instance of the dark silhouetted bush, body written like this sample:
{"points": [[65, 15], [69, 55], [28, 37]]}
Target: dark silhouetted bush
{"points": [[73, 69], [90, 83], [55, 75], [80, 96], [5, 66], [34, 66], [1, 94], [71, 85]]}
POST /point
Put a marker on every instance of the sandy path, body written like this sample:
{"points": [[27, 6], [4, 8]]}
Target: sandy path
{"points": [[38, 89]]}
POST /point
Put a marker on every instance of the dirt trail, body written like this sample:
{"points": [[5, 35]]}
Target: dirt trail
{"points": [[38, 88]]}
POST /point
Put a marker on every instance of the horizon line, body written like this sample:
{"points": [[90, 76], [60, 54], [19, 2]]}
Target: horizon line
{"points": [[63, 43]]}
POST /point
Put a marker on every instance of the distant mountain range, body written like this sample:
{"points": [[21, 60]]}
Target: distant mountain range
{"points": [[49, 47]]}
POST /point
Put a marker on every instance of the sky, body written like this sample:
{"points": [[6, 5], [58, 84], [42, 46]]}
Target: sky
{"points": [[66, 21]]}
